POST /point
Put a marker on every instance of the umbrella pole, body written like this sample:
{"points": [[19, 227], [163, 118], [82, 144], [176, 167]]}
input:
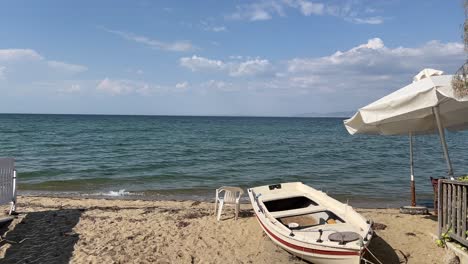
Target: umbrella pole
{"points": [[413, 209], [443, 142], [413, 187]]}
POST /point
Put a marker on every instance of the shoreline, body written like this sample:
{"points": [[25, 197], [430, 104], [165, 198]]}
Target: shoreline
{"points": [[89, 230], [205, 196]]}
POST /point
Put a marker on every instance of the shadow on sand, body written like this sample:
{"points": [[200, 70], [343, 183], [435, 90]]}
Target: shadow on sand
{"points": [[383, 251], [431, 217], [42, 237]]}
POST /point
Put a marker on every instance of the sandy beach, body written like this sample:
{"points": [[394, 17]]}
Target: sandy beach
{"points": [[77, 230]]}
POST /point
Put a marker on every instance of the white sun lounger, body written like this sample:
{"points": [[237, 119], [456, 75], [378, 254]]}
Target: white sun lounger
{"points": [[8, 183]]}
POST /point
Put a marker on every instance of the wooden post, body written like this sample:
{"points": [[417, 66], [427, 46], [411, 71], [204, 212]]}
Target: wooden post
{"points": [[454, 207], [440, 205], [459, 210], [444, 201], [463, 215], [449, 205]]}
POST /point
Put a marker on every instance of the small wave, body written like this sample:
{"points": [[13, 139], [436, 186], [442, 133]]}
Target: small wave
{"points": [[118, 193]]}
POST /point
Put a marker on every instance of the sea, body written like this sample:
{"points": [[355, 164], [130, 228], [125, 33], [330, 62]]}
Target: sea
{"points": [[188, 157]]}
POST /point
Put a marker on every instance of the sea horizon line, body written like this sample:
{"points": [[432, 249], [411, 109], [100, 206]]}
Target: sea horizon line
{"points": [[319, 115]]}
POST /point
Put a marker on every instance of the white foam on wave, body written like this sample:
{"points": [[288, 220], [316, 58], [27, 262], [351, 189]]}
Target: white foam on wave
{"points": [[121, 192], [118, 193]]}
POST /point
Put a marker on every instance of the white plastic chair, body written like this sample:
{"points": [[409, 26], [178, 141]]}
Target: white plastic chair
{"points": [[8, 183], [232, 196]]}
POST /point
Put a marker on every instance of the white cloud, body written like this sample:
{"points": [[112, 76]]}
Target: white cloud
{"points": [[259, 14], [115, 87], [355, 12], [74, 88], [180, 45], [375, 43], [376, 57], [372, 65], [196, 63], [66, 67], [234, 68], [182, 85], [208, 25], [250, 67], [258, 11], [307, 8], [19, 54], [218, 86], [28, 64], [367, 70], [125, 87], [369, 20], [8, 55], [218, 29]]}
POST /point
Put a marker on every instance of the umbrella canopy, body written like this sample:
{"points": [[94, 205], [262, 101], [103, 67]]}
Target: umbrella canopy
{"points": [[411, 109], [426, 73], [428, 105]]}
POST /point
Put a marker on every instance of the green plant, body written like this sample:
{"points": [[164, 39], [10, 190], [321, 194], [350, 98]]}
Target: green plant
{"points": [[460, 79], [463, 178], [465, 25], [444, 238]]}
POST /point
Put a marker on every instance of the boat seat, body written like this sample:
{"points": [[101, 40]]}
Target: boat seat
{"points": [[339, 227], [300, 211]]}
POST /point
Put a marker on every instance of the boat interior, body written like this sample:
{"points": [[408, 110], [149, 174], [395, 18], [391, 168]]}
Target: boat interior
{"points": [[300, 212], [306, 215]]}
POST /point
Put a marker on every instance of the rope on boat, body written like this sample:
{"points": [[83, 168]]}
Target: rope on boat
{"points": [[372, 254], [367, 261]]}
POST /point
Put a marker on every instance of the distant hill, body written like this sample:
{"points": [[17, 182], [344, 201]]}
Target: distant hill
{"points": [[346, 114]]}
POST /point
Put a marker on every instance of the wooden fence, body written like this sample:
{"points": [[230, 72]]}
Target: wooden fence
{"points": [[452, 203]]}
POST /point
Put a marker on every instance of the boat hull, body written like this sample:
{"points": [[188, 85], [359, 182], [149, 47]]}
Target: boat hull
{"points": [[314, 255], [308, 247]]}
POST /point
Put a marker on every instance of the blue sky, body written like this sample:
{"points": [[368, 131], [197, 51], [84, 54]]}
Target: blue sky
{"points": [[272, 57]]}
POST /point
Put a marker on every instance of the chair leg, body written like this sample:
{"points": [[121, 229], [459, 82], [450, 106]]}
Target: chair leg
{"points": [[237, 210], [216, 205], [216, 202], [220, 209], [12, 208]]}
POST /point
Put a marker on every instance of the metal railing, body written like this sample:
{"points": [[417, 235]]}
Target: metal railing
{"points": [[452, 204]]}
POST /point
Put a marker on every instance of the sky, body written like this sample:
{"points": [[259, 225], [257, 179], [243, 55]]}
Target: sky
{"points": [[255, 58]]}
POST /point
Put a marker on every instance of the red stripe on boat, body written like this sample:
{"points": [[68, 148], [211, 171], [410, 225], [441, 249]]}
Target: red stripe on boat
{"points": [[311, 250]]}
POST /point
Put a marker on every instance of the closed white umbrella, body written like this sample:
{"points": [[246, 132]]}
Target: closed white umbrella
{"points": [[428, 105]]}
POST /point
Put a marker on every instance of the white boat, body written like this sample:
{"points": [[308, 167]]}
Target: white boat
{"points": [[310, 224]]}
